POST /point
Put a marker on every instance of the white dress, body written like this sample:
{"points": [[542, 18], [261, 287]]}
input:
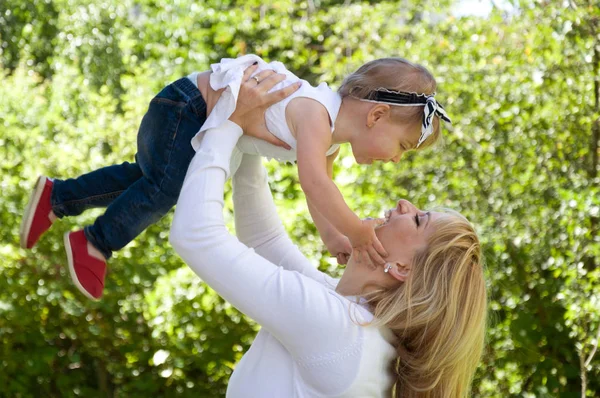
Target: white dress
{"points": [[311, 343]]}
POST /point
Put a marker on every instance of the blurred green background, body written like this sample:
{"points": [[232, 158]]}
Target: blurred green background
{"points": [[521, 81]]}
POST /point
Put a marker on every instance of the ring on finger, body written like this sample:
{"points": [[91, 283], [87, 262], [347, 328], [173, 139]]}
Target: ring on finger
{"points": [[256, 78]]}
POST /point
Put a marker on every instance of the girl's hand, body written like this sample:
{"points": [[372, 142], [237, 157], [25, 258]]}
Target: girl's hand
{"points": [[254, 99], [366, 248], [339, 246]]}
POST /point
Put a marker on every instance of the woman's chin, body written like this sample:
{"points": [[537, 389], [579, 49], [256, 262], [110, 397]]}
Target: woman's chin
{"points": [[361, 160]]}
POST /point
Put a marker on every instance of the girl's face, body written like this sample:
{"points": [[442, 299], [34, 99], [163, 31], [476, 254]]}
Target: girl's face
{"points": [[385, 141]]}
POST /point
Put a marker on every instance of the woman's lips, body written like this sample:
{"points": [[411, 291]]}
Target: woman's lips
{"points": [[387, 215]]}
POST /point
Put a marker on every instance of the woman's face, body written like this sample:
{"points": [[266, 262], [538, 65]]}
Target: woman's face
{"points": [[405, 231]]}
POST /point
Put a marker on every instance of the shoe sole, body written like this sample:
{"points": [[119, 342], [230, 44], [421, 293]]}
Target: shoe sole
{"points": [[72, 269], [29, 214]]}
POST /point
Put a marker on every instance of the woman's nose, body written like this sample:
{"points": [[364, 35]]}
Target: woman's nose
{"points": [[404, 206]]}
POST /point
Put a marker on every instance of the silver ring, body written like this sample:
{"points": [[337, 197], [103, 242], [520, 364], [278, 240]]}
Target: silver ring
{"points": [[256, 78]]}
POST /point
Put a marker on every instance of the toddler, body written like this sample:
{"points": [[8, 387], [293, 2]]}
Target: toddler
{"points": [[382, 110]]}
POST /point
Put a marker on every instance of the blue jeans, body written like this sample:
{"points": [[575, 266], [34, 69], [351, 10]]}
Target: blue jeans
{"points": [[138, 194]]}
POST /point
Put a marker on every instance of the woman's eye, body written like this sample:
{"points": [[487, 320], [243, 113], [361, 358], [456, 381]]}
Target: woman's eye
{"points": [[417, 220]]}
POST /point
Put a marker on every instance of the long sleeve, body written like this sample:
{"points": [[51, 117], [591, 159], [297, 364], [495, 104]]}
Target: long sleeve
{"points": [[258, 226], [310, 320]]}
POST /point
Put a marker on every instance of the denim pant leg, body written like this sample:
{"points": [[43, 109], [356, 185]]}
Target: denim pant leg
{"points": [[95, 189], [164, 153]]}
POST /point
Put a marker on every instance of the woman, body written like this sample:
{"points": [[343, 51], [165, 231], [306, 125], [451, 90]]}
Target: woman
{"points": [[412, 328]]}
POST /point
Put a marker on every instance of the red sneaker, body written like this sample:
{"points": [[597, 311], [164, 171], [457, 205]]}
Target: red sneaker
{"points": [[87, 271], [36, 219]]}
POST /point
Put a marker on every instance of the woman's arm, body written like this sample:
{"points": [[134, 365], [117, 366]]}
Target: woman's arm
{"points": [[307, 318], [257, 224]]}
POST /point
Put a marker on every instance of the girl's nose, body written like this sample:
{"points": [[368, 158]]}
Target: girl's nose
{"points": [[397, 158]]}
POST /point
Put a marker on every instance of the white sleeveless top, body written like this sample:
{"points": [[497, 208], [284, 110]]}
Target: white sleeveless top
{"points": [[228, 74]]}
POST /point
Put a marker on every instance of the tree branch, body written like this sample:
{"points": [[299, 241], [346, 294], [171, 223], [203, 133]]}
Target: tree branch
{"points": [[591, 356], [596, 77], [583, 375]]}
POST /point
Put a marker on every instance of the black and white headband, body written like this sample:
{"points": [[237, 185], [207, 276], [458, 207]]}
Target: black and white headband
{"points": [[431, 107]]}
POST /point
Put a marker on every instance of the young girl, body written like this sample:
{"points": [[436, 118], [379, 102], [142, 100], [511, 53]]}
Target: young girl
{"points": [[383, 109]]}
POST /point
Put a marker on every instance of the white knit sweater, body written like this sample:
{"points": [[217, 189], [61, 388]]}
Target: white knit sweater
{"points": [[311, 343]]}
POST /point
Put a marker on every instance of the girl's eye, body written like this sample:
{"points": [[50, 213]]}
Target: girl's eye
{"points": [[417, 220]]}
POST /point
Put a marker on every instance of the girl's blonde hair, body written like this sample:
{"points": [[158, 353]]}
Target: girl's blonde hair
{"points": [[396, 74], [438, 315]]}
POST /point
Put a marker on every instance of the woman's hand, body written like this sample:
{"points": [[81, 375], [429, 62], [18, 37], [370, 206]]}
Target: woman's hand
{"points": [[254, 99], [339, 246], [366, 248]]}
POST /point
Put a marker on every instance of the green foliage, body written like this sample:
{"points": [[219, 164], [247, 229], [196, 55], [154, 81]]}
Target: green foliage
{"points": [[520, 161]]}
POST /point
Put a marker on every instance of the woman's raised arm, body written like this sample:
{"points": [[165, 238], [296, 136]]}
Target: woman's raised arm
{"points": [[258, 225], [305, 316], [310, 320]]}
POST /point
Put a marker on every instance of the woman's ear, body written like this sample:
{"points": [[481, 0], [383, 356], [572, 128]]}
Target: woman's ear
{"points": [[377, 113], [399, 272]]}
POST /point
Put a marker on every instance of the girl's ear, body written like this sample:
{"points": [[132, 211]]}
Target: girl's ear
{"points": [[377, 113], [399, 272]]}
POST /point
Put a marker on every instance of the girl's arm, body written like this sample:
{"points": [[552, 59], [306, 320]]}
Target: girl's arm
{"points": [[326, 229], [257, 224], [336, 242], [311, 124], [306, 317]]}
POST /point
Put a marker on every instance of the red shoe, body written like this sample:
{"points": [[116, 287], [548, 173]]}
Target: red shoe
{"points": [[87, 271], [36, 219]]}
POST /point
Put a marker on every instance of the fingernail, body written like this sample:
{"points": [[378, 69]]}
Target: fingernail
{"points": [[299, 83]]}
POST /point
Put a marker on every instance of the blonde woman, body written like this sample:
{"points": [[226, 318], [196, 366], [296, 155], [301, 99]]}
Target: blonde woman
{"points": [[411, 328]]}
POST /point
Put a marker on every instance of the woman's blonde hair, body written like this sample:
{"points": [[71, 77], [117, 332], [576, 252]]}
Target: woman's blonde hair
{"points": [[396, 74], [438, 314]]}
